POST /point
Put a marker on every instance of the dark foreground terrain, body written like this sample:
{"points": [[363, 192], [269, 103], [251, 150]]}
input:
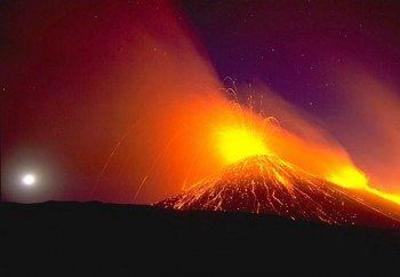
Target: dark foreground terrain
{"points": [[94, 238]]}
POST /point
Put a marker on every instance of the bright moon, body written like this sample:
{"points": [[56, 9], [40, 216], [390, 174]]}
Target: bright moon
{"points": [[28, 179]]}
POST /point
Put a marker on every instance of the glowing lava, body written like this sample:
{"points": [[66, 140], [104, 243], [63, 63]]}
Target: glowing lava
{"points": [[236, 134], [349, 177], [259, 168], [269, 185], [384, 195], [237, 143]]}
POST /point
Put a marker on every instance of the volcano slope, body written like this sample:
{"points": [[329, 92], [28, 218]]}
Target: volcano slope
{"points": [[269, 185]]}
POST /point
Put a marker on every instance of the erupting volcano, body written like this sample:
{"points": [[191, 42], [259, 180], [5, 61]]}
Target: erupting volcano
{"points": [[262, 124], [265, 169], [266, 184]]}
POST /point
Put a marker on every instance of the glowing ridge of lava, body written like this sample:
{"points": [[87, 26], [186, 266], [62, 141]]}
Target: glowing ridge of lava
{"points": [[349, 177], [395, 198]]}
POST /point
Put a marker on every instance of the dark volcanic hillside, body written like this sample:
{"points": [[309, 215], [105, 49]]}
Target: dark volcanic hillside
{"points": [[94, 239], [269, 185]]}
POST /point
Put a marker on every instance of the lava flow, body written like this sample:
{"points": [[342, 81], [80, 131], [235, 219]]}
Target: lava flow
{"points": [[268, 185]]}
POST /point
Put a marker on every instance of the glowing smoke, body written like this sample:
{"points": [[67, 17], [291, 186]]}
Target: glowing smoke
{"points": [[173, 105], [372, 108]]}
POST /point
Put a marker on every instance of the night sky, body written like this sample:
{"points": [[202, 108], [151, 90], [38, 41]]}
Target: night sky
{"points": [[69, 98]]}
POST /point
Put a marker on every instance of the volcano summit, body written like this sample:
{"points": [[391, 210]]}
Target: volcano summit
{"points": [[269, 185]]}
